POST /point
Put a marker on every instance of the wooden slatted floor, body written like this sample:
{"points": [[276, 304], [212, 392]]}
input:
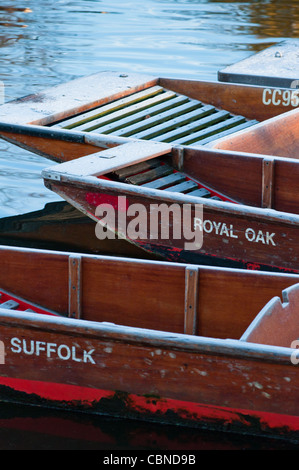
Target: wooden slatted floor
{"points": [[161, 115], [157, 174]]}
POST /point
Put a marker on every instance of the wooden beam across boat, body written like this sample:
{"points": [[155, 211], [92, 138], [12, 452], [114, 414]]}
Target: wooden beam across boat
{"points": [[181, 362]]}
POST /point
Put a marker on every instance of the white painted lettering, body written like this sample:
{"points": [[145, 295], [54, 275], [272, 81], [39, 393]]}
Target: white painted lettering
{"points": [[269, 238], [51, 350], [217, 226], [16, 343], [250, 234], [40, 346], [276, 101], [224, 230], [26, 350], [87, 356], [208, 226], [265, 100], [260, 237], [62, 355], [74, 355], [231, 232]]}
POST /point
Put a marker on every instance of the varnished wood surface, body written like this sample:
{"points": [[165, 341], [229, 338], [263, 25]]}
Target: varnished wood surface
{"points": [[144, 294], [237, 98], [60, 226], [132, 326], [276, 323], [277, 136], [87, 193]]}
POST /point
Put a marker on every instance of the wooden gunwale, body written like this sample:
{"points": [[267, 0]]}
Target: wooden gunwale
{"points": [[151, 338], [56, 174]]}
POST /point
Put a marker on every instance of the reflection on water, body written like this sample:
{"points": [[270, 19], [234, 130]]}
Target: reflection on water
{"points": [[44, 43]]}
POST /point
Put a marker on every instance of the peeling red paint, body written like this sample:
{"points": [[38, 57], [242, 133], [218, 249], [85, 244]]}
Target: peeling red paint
{"points": [[155, 409]]}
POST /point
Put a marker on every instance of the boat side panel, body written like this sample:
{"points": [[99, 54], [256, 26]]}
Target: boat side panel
{"points": [[253, 102], [139, 294], [276, 136], [240, 236], [156, 383]]}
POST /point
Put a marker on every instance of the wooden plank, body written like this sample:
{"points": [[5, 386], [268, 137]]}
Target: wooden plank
{"points": [[267, 182], [215, 170], [184, 187], [201, 192], [162, 183], [219, 135], [75, 286], [168, 119], [173, 125], [109, 160], [178, 133], [74, 97], [122, 173], [134, 114], [9, 304], [191, 300], [121, 108], [150, 175], [211, 130], [146, 293]]}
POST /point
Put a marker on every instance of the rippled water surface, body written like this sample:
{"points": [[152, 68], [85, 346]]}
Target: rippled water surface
{"points": [[43, 43]]}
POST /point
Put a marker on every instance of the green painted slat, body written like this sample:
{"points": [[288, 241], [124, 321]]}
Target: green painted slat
{"points": [[111, 120], [136, 119], [110, 107], [212, 130], [219, 135], [168, 118], [192, 127], [174, 124]]}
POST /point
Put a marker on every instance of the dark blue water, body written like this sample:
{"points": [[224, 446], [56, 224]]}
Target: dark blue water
{"points": [[44, 43]]}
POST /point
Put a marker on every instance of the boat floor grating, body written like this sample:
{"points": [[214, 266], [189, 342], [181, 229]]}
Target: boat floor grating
{"points": [[156, 113], [158, 174]]}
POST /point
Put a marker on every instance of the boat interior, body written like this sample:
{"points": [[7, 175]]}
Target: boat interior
{"points": [[159, 114], [195, 300]]}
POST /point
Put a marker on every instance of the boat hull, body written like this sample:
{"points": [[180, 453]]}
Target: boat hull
{"points": [[222, 385], [231, 235], [156, 410]]}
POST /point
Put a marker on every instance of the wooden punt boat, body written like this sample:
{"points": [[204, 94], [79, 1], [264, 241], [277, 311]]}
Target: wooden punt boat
{"points": [[62, 123], [59, 226], [146, 194], [184, 112], [104, 110], [157, 351]]}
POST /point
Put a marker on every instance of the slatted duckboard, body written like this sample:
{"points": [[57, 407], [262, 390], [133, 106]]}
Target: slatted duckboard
{"points": [[158, 174], [161, 115]]}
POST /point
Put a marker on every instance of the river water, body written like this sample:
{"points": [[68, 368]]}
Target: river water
{"points": [[44, 43]]}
